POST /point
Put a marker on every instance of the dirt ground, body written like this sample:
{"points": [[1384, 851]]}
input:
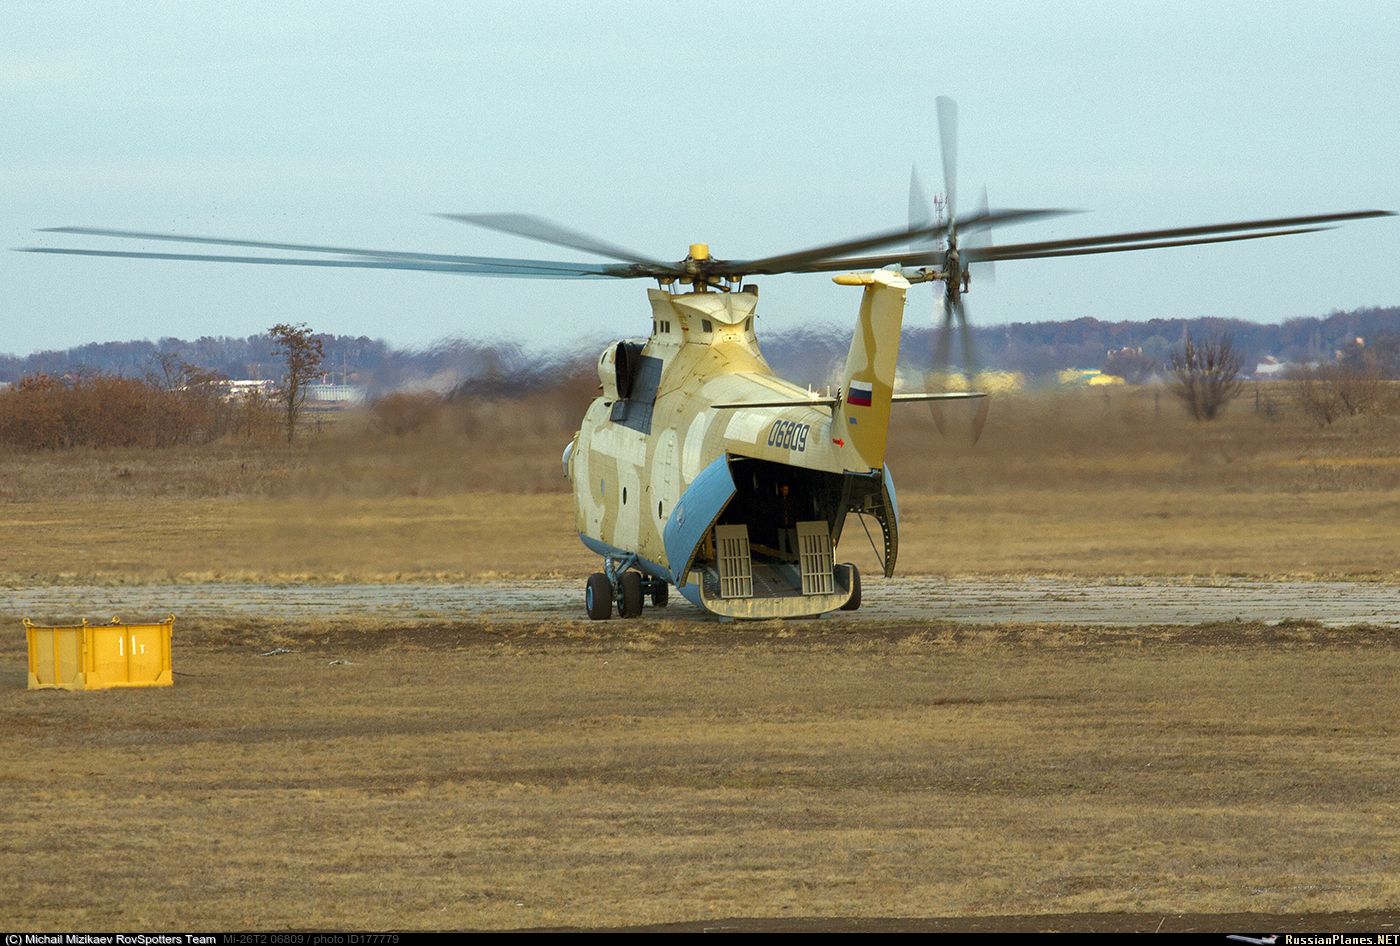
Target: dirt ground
{"points": [[1232, 777], [1368, 923]]}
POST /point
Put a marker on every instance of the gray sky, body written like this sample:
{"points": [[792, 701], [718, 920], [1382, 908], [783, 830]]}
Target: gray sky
{"points": [[659, 124]]}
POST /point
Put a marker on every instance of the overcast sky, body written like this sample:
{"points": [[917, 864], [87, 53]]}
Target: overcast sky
{"points": [[659, 124]]}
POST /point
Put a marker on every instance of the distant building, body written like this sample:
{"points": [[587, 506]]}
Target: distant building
{"points": [[238, 390], [327, 395]]}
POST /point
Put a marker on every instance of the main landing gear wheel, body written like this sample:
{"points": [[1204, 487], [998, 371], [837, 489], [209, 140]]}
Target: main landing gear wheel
{"points": [[599, 596], [630, 603], [660, 593], [854, 603]]}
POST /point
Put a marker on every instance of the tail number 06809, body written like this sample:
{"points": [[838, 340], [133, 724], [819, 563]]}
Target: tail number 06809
{"points": [[788, 435]]}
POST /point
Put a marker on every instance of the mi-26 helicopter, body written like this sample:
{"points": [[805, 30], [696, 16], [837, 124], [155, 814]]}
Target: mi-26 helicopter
{"points": [[697, 466]]}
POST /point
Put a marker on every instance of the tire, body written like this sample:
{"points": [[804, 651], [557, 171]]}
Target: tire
{"points": [[661, 593], [630, 584], [598, 596], [854, 603]]}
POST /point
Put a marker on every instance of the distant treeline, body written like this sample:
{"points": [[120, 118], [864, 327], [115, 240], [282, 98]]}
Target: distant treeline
{"points": [[805, 355], [1038, 348], [371, 363], [1137, 350]]}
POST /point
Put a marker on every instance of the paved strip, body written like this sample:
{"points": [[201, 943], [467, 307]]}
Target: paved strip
{"points": [[978, 601], [1071, 601]]}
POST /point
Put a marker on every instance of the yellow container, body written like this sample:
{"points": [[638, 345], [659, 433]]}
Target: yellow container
{"points": [[99, 656]]}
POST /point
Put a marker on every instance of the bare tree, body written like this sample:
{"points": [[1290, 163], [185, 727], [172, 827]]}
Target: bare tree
{"points": [[1206, 374], [1341, 389], [301, 354]]}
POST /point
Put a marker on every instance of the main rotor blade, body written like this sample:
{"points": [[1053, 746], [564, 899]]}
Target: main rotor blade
{"points": [[467, 265], [1003, 254], [815, 259], [253, 244], [979, 255], [523, 225], [358, 258], [1157, 239], [546, 231], [948, 140]]}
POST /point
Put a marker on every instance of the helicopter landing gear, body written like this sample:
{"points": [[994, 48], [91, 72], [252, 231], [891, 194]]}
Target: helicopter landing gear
{"points": [[598, 595], [629, 588], [854, 603], [621, 586]]}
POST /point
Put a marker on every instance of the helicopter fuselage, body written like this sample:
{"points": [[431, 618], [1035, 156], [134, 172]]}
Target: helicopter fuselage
{"points": [[700, 467]]}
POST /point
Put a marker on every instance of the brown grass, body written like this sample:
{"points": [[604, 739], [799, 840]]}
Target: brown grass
{"points": [[423, 446], [173, 404], [1122, 438], [1079, 483], [508, 776]]}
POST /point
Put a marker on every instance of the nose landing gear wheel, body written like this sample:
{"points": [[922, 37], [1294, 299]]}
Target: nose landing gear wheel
{"points": [[598, 594], [659, 594]]}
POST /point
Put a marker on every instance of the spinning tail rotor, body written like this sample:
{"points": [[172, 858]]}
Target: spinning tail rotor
{"points": [[955, 272]]}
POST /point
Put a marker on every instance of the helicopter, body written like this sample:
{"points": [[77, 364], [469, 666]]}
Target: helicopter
{"points": [[697, 466]]}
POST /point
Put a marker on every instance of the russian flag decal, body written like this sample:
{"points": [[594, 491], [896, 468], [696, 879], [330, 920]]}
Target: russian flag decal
{"points": [[860, 393]]}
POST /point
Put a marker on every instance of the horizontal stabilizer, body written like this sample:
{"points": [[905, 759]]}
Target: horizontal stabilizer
{"points": [[939, 396]]}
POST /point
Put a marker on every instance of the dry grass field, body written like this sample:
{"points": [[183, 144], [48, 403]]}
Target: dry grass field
{"points": [[1078, 483], [489, 776], [445, 776]]}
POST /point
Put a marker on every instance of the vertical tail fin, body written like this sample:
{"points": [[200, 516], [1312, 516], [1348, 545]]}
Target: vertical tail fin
{"points": [[868, 382]]}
